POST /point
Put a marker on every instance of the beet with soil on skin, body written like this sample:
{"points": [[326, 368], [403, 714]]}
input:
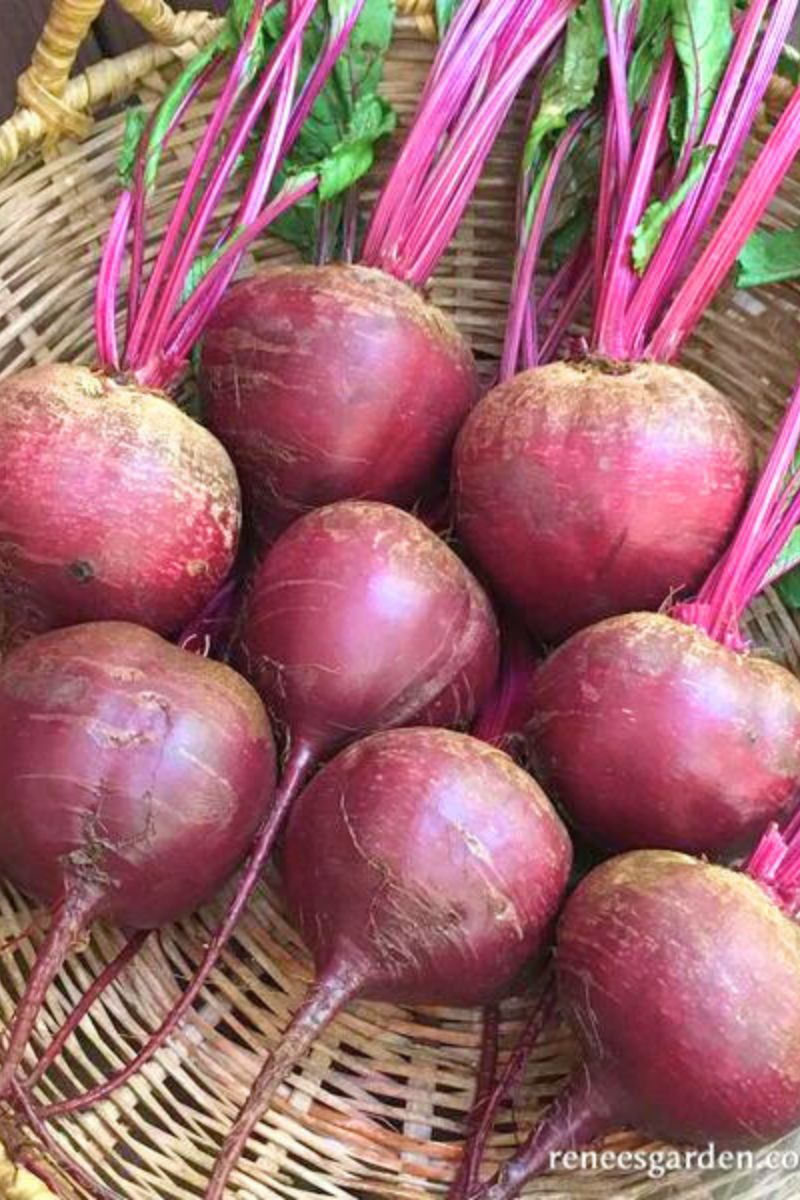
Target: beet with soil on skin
{"points": [[583, 494], [133, 777], [651, 734], [114, 505], [328, 383], [462, 853], [680, 980], [424, 867], [359, 619]]}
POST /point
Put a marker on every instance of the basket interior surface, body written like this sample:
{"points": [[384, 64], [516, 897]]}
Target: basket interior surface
{"points": [[377, 1109]]}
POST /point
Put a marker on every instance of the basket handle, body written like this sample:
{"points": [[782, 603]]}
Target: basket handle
{"points": [[41, 88], [161, 22]]}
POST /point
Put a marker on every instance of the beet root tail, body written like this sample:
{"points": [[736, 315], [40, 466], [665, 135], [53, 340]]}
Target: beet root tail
{"points": [[67, 925], [332, 991], [484, 1090], [484, 1118], [297, 769], [576, 1118], [128, 952]]}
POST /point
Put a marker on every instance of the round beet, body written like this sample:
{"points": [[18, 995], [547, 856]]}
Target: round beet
{"points": [[651, 734], [681, 981], [360, 618], [327, 383], [113, 503], [424, 867], [133, 778], [585, 491], [454, 852]]}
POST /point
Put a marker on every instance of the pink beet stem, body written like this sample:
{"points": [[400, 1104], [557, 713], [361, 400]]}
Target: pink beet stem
{"points": [[618, 49], [72, 917], [484, 1087], [606, 201], [611, 178], [126, 955], [626, 307], [744, 214], [478, 70], [108, 283], [428, 238], [318, 76], [729, 124], [334, 989], [350, 225], [562, 280], [775, 864], [567, 312], [762, 533], [197, 310], [298, 768], [530, 250], [509, 1077], [455, 69], [208, 143], [286, 121], [618, 279], [140, 190], [576, 1118], [151, 340]]}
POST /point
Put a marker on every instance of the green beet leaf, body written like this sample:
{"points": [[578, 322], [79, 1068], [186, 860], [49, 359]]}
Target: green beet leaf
{"points": [[703, 36], [648, 232], [769, 256]]}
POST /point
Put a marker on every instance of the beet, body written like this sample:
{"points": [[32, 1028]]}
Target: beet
{"points": [[359, 619], [113, 503], [134, 777], [651, 734], [423, 867], [571, 483], [680, 980], [326, 383]]}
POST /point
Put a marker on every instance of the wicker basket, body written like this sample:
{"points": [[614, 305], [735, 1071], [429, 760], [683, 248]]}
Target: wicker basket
{"points": [[377, 1109]]}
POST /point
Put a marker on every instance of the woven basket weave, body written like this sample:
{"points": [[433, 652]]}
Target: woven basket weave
{"points": [[378, 1107]]}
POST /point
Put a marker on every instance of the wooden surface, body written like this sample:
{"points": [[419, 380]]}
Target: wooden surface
{"points": [[21, 22]]}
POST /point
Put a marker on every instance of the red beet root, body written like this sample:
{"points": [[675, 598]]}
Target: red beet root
{"points": [[327, 383], [361, 619], [423, 867], [651, 734], [681, 981], [571, 486], [134, 777], [113, 503]]}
